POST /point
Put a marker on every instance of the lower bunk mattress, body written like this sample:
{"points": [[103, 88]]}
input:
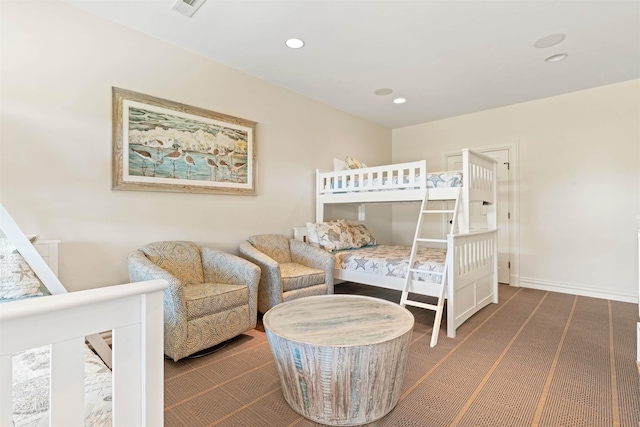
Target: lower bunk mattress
{"points": [[31, 389], [393, 261]]}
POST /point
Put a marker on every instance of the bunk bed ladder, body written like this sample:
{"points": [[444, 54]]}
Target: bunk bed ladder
{"points": [[417, 240]]}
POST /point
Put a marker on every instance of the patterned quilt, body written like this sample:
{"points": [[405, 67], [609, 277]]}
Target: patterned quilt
{"points": [[392, 261], [444, 180], [31, 389]]}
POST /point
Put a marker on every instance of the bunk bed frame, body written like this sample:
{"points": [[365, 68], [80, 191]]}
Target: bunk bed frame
{"points": [[407, 182], [472, 255], [134, 312]]}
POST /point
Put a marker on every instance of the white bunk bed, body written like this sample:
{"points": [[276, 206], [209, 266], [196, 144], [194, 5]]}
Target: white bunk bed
{"points": [[472, 254], [55, 327]]}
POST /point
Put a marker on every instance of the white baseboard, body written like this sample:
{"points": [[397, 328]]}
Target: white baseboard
{"points": [[515, 280], [575, 289]]}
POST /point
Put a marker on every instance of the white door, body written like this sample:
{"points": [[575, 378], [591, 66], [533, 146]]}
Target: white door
{"points": [[478, 213]]}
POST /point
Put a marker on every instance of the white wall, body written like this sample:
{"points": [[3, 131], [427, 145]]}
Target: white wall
{"points": [[579, 183], [58, 67]]}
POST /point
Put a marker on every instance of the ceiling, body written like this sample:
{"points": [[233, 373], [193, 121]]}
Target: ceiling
{"points": [[446, 57]]}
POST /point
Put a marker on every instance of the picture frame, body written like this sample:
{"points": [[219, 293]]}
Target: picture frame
{"points": [[161, 145]]}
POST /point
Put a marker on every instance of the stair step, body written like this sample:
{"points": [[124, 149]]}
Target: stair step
{"points": [[417, 270], [430, 211], [421, 305], [421, 239]]}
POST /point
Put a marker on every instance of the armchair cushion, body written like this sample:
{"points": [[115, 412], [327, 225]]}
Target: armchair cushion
{"points": [[181, 259], [274, 246], [298, 276], [205, 298]]}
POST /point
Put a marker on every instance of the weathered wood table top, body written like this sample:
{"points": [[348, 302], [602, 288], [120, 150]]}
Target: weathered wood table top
{"points": [[338, 320]]}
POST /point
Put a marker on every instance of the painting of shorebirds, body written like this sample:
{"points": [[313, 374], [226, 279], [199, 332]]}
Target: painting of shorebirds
{"points": [[161, 145]]}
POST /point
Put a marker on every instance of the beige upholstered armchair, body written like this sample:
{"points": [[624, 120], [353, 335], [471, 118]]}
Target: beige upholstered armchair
{"points": [[289, 269], [212, 295]]}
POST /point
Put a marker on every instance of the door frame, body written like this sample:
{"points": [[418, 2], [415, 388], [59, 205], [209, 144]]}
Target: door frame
{"points": [[514, 201]]}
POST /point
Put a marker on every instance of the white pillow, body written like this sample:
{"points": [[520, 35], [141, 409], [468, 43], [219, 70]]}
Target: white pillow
{"points": [[312, 235], [338, 165]]}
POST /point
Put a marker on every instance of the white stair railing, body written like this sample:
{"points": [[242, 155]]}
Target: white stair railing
{"points": [[30, 254]]}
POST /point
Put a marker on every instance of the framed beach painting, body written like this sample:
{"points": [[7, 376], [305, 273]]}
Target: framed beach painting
{"points": [[161, 145]]}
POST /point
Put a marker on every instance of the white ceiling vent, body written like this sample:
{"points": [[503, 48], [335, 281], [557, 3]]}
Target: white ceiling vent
{"points": [[187, 7]]}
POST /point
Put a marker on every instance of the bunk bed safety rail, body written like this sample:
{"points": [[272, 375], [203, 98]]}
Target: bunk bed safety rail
{"points": [[479, 177], [473, 251], [474, 269], [399, 176]]}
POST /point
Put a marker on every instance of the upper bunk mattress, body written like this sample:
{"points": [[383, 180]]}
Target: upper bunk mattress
{"points": [[393, 261]]}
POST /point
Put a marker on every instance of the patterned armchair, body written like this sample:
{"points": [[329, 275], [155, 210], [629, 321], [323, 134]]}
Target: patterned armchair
{"points": [[212, 295], [289, 269]]}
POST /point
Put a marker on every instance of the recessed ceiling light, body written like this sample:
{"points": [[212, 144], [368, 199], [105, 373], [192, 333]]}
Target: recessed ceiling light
{"points": [[556, 58], [383, 91], [399, 101], [550, 40], [294, 43]]}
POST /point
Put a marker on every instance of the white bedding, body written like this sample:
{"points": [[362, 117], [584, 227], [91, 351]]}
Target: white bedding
{"points": [[31, 389], [393, 261]]}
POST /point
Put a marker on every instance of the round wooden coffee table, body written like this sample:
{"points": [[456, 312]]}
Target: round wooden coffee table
{"points": [[341, 358]]}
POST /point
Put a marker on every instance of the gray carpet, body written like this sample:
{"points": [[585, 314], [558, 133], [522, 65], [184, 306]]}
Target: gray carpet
{"points": [[535, 359]]}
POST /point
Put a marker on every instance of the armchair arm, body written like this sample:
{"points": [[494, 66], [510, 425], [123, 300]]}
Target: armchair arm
{"points": [[175, 310], [141, 269], [223, 267], [270, 287], [311, 256]]}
